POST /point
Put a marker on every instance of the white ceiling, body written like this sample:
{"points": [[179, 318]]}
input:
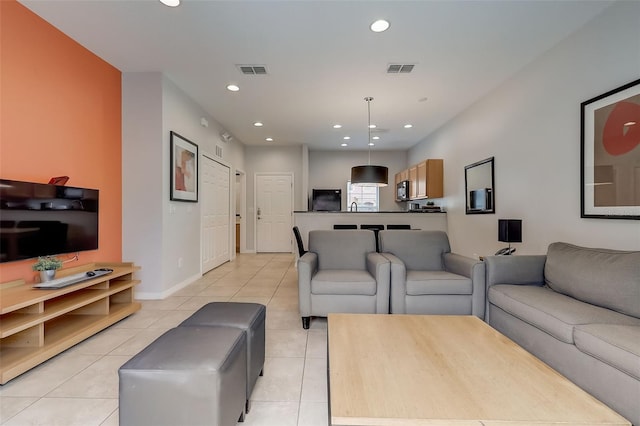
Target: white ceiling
{"points": [[322, 59]]}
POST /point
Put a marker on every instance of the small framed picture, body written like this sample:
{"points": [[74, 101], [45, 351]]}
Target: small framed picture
{"points": [[184, 169], [610, 154]]}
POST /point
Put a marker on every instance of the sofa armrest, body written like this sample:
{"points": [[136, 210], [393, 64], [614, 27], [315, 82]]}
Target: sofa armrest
{"points": [[380, 268], [519, 270], [473, 269], [307, 268], [458, 264], [398, 284]]}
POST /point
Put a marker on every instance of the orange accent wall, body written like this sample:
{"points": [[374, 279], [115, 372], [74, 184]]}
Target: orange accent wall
{"points": [[60, 114]]}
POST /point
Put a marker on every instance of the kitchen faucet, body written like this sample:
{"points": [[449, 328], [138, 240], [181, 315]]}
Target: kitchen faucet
{"points": [[351, 207]]}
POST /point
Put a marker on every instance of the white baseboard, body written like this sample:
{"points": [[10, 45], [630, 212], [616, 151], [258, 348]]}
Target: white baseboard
{"points": [[168, 292]]}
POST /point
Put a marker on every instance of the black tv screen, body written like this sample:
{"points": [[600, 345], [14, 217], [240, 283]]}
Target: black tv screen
{"points": [[480, 199], [326, 200], [40, 220]]}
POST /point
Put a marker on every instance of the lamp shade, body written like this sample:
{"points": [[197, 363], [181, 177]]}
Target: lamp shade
{"points": [[510, 230], [371, 175]]}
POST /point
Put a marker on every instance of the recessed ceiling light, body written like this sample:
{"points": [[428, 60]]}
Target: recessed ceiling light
{"points": [[170, 3], [344, 144], [269, 139], [375, 138], [337, 126], [233, 88], [372, 126], [379, 26], [346, 138], [408, 126], [258, 124], [372, 144]]}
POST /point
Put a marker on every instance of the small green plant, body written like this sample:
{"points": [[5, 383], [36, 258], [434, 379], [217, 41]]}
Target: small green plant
{"points": [[47, 263]]}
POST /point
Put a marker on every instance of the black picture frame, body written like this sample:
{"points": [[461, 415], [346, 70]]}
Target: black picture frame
{"points": [[183, 169], [610, 154], [479, 187]]}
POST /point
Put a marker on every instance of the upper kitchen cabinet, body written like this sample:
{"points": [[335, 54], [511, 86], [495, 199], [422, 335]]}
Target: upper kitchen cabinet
{"points": [[430, 179], [413, 182], [425, 179]]}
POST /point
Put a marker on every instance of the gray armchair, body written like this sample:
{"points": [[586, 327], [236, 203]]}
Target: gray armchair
{"points": [[342, 272], [426, 278]]}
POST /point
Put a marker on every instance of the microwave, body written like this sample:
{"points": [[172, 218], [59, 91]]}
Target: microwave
{"points": [[402, 191]]}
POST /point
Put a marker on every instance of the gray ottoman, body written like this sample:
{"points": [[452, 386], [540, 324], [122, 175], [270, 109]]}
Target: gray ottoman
{"points": [[249, 317], [188, 376]]}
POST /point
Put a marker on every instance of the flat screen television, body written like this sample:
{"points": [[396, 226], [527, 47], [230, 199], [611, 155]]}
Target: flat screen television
{"points": [[327, 200], [480, 199], [39, 220]]}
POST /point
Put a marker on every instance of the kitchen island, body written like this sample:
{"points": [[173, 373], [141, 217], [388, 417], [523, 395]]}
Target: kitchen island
{"points": [[308, 221]]}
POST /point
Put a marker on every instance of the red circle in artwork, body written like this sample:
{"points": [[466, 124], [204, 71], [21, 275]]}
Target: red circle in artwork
{"points": [[619, 135]]}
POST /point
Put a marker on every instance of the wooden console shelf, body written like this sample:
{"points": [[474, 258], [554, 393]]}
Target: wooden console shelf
{"points": [[37, 324]]}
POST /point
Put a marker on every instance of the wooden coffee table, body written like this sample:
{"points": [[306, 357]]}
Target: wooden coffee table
{"points": [[392, 370]]}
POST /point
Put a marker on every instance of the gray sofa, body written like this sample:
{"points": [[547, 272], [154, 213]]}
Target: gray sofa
{"points": [[426, 278], [342, 272], [578, 310]]}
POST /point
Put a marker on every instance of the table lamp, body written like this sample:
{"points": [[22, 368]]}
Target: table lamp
{"points": [[509, 231]]}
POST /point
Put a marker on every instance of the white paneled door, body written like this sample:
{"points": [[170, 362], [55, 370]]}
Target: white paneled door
{"points": [[215, 194], [274, 212]]}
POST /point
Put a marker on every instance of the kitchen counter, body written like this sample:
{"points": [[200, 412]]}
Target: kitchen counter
{"points": [[307, 221]]}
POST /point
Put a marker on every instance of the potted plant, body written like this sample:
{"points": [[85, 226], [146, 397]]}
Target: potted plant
{"points": [[47, 266]]}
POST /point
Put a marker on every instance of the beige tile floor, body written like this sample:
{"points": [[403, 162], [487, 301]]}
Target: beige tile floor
{"points": [[80, 386]]}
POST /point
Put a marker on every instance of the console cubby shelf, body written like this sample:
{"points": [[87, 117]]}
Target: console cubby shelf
{"points": [[37, 324]]}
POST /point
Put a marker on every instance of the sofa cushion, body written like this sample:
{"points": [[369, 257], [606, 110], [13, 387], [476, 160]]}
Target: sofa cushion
{"points": [[616, 345], [331, 281], [602, 277], [437, 282], [419, 250], [344, 249], [551, 312]]}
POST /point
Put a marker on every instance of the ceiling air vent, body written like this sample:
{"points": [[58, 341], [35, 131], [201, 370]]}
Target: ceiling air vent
{"points": [[253, 69], [400, 68]]}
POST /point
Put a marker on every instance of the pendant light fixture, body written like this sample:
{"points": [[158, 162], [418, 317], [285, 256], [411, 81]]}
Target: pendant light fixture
{"points": [[370, 175]]}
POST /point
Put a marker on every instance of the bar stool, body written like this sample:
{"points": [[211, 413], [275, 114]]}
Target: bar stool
{"points": [[345, 226], [398, 226], [296, 233], [375, 229]]}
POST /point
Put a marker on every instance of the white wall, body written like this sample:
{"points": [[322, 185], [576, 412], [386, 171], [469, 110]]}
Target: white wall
{"points": [[142, 192], [531, 124], [332, 170], [158, 232], [271, 159]]}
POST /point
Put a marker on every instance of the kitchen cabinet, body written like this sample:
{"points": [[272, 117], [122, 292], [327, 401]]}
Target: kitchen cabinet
{"points": [[413, 182], [402, 176], [426, 179], [421, 180], [430, 179]]}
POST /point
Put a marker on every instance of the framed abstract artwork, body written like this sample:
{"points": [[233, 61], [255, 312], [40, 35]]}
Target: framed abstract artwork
{"points": [[184, 169], [610, 154]]}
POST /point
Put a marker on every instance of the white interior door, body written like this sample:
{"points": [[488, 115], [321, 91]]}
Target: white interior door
{"points": [[274, 210], [216, 213]]}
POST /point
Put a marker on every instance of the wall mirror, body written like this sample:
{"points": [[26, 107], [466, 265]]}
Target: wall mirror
{"points": [[479, 187]]}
